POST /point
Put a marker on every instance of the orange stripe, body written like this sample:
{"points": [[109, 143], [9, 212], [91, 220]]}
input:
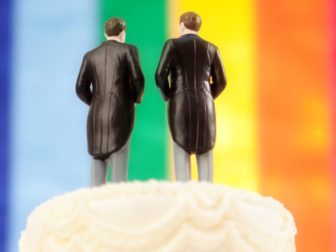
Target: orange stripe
{"points": [[294, 116]]}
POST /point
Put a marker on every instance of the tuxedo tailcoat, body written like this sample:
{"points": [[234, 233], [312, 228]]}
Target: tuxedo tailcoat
{"points": [[190, 76], [110, 81]]}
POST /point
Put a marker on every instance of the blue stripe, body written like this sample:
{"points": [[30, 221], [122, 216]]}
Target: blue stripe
{"points": [[5, 31], [48, 141]]}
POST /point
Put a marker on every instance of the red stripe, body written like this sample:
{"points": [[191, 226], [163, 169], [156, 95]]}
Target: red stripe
{"points": [[332, 86]]}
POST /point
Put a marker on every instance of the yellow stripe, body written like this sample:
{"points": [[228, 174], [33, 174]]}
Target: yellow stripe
{"points": [[231, 26]]}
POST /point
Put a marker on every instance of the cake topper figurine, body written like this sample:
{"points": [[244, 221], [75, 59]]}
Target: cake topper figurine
{"points": [[110, 81], [190, 76]]}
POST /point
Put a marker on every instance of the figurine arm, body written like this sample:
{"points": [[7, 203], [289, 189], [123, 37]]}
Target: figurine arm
{"points": [[163, 70], [83, 84], [218, 75], [137, 80]]}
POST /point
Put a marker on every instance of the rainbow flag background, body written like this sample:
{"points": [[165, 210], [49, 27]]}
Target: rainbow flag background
{"points": [[276, 120]]}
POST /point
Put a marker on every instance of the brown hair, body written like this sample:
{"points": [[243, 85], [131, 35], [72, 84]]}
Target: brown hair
{"points": [[114, 26], [191, 20]]}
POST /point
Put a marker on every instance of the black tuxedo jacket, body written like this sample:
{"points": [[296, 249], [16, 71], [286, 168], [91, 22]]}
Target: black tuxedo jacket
{"points": [[110, 81], [190, 76]]}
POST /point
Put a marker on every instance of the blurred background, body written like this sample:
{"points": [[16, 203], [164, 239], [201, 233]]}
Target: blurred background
{"points": [[276, 120]]}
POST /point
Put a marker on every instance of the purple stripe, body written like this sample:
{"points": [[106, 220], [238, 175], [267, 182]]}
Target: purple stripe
{"points": [[5, 31]]}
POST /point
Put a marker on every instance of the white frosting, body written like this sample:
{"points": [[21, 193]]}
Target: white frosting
{"points": [[160, 216]]}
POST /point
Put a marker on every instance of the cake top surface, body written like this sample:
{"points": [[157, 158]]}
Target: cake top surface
{"points": [[160, 216]]}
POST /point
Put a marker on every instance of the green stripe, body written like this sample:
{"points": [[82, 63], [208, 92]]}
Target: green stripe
{"points": [[146, 28]]}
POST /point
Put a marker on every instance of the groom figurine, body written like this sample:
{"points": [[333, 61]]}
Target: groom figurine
{"points": [[110, 81], [190, 76]]}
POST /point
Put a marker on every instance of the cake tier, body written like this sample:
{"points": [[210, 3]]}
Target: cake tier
{"points": [[160, 216]]}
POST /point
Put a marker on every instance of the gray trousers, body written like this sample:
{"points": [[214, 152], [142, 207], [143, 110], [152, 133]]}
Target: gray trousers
{"points": [[182, 165], [119, 167]]}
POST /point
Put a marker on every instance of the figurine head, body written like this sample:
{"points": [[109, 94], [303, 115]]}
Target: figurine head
{"points": [[190, 22], [115, 28]]}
